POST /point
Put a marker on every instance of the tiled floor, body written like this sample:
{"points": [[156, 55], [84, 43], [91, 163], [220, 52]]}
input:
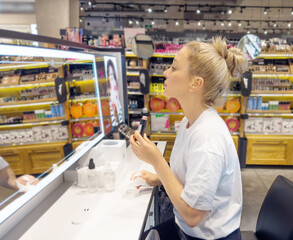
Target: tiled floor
{"points": [[256, 182]]}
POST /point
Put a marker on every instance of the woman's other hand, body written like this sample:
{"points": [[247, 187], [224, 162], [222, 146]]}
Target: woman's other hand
{"points": [[150, 178]]}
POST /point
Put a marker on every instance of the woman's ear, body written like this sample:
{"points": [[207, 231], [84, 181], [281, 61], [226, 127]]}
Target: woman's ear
{"points": [[196, 83]]}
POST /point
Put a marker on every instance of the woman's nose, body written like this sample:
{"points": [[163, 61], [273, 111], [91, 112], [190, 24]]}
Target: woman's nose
{"points": [[166, 73]]}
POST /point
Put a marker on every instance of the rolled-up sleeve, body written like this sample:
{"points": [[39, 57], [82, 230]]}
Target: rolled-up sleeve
{"points": [[3, 163], [204, 170]]}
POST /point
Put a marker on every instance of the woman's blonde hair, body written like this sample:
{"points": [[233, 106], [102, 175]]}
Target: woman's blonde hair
{"points": [[215, 64]]}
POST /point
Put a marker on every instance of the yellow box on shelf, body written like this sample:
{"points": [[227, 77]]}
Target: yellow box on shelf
{"points": [[157, 88], [13, 66]]}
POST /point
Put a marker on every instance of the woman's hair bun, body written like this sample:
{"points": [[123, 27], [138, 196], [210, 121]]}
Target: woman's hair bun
{"points": [[236, 61]]}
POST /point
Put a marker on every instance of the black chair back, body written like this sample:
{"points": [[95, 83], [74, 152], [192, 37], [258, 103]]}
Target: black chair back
{"points": [[275, 219]]}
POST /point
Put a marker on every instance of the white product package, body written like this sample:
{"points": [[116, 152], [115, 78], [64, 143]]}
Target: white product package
{"points": [[254, 125], [272, 125]]}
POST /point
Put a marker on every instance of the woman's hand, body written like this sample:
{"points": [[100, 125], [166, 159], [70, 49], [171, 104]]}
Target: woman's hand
{"points": [[150, 178], [24, 179], [145, 149]]}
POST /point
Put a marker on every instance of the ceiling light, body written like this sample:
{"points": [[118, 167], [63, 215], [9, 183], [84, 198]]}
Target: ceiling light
{"points": [[176, 23], [81, 8], [130, 22], [80, 20], [203, 27], [289, 24], [165, 10], [239, 24], [150, 10], [199, 23], [229, 24], [198, 10], [222, 24], [265, 12], [248, 31], [179, 9], [90, 3], [241, 10], [265, 32], [137, 22], [248, 23], [230, 11], [275, 24], [153, 22], [292, 11]]}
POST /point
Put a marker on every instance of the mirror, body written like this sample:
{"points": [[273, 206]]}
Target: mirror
{"points": [[37, 130], [143, 46], [250, 45]]}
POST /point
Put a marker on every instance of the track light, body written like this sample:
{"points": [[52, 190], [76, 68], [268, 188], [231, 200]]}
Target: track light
{"points": [[248, 31], [150, 10], [275, 25], [198, 10], [137, 22], [90, 3], [230, 11], [187, 22], [179, 9], [176, 23], [153, 22], [80, 20], [265, 12], [81, 8], [165, 9], [230, 24], [167, 22], [203, 27], [241, 10], [130, 22], [222, 24], [215, 23], [265, 32], [292, 11], [239, 24], [289, 24], [199, 23], [248, 23]]}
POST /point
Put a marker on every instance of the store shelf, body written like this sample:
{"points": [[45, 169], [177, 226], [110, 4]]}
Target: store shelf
{"points": [[42, 120], [133, 88], [81, 139], [84, 119], [134, 68], [275, 55], [272, 93], [171, 113], [235, 133], [232, 94], [163, 132], [83, 99], [159, 94], [30, 65], [270, 114], [268, 111], [130, 54], [28, 85], [134, 111], [260, 75], [28, 103], [157, 75], [6, 126], [134, 74], [165, 55], [230, 114], [33, 143], [275, 134], [134, 93]]}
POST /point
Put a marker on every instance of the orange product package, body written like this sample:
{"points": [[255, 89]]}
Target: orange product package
{"points": [[89, 109], [76, 111], [233, 105]]}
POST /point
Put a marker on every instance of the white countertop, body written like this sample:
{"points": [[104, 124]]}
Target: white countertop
{"points": [[101, 215]]}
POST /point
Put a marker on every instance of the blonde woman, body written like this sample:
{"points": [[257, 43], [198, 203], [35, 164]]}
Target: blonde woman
{"points": [[203, 181]]}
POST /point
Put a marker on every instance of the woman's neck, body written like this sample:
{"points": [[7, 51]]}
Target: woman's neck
{"points": [[192, 107]]}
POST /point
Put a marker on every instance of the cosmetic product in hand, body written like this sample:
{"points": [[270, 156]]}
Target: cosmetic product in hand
{"points": [[142, 125]]}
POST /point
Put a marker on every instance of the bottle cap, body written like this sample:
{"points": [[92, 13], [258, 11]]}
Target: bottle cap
{"points": [[92, 164]]}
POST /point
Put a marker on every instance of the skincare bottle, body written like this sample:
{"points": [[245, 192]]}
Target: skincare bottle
{"points": [[109, 178], [92, 176]]}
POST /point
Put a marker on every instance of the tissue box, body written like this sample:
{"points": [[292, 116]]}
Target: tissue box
{"points": [[253, 125], [29, 137], [160, 122], [272, 125]]}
